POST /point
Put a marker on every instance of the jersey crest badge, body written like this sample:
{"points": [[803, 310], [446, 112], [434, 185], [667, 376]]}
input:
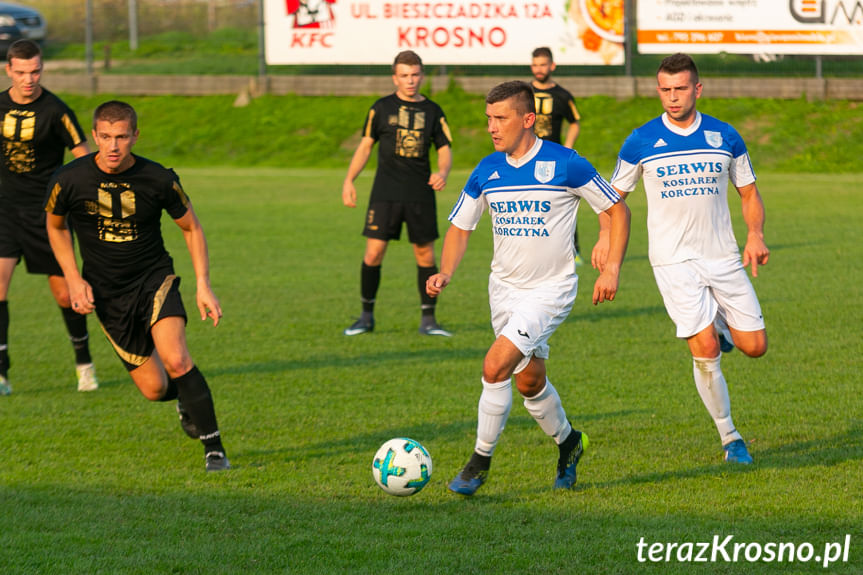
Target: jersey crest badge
{"points": [[543, 172], [713, 138]]}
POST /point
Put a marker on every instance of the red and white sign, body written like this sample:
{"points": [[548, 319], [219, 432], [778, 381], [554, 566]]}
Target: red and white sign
{"points": [[584, 32], [750, 26]]}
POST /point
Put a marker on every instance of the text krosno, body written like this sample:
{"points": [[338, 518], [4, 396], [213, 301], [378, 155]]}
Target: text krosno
{"points": [[729, 551]]}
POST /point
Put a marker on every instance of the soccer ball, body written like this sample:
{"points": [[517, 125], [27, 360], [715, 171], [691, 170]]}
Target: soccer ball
{"points": [[402, 466]]}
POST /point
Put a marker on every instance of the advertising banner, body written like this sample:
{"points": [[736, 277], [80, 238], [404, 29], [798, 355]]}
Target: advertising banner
{"points": [[751, 26], [473, 32]]}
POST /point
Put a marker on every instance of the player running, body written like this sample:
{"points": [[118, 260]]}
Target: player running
{"points": [[114, 199], [687, 159], [531, 189]]}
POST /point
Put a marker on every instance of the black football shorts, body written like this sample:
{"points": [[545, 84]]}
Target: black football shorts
{"points": [[127, 318], [384, 221], [27, 237]]}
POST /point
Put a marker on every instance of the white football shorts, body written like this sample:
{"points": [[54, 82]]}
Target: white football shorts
{"points": [[528, 317], [695, 290]]}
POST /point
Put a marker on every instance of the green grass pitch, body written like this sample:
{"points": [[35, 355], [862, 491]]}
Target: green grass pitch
{"points": [[108, 483]]}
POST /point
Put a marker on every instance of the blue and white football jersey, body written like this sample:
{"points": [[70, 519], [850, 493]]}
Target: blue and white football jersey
{"points": [[686, 174], [533, 203]]}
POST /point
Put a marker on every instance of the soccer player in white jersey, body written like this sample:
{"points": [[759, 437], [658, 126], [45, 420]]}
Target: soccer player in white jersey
{"points": [[687, 159], [531, 189]]}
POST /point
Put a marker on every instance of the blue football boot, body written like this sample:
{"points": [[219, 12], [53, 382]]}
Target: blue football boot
{"points": [[472, 476], [736, 452], [571, 451]]}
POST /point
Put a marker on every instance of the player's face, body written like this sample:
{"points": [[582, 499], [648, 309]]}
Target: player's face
{"points": [[408, 80], [511, 131], [678, 93], [25, 76], [541, 68], [115, 141]]}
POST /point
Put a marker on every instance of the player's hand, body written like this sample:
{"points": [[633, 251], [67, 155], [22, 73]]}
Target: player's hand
{"points": [[436, 283], [606, 284], [208, 305], [599, 255], [755, 252], [81, 296], [349, 194], [437, 182]]}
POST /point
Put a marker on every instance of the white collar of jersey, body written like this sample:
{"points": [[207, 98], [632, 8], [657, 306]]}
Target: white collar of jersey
{"points": [[533, 151], [682, 131]]}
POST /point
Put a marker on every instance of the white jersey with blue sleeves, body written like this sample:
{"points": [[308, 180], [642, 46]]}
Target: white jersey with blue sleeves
{"points": [[686, 174], [532, 202]]}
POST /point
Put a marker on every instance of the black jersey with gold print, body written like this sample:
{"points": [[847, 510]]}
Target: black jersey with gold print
{"points": [[405, 131], [553, 105], [33, 140], [117, 217]]}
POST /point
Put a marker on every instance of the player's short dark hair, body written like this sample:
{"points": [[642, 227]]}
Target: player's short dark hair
{"points": [[543, 52], [521, 91], [23, 50], [677, 63], [409, 58], [116, 111]]}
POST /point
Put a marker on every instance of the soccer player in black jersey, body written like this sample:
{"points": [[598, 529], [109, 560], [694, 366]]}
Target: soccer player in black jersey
{"points": [[37, 129], [114, 200], [405, 124], [554, 104]]}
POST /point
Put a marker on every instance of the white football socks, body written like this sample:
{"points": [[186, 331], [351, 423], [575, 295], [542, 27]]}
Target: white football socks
{"points": [[713, 390], [494, 405], [547, 410]]}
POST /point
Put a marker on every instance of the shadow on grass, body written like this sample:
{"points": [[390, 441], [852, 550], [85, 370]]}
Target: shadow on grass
{"points": [[63, 529], [428, 433], [430, 356], [835, 450]]}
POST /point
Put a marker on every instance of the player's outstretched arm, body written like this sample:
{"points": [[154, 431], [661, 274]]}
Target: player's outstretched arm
{"points": [[60, 238], [606, 284], [599, 255], [755, 251], [207, 302], [454, 247], [358, 162], [444, 164]]}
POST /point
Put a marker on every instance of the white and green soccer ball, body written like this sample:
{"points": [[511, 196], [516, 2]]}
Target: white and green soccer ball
{"points": [[402, 466]]}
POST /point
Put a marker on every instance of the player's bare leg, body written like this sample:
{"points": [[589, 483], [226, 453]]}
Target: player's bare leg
{"points": [[151, 380], [176, 377], [752, 343], [193, 393]]}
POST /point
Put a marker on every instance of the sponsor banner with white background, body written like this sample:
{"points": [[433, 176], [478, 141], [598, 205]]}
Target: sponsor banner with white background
{"points": [[474, 32], [750, 26]]}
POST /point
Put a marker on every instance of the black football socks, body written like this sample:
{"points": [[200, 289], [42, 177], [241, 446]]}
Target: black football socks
{"points": [[76, 325], [194, 393], [4, 338]]}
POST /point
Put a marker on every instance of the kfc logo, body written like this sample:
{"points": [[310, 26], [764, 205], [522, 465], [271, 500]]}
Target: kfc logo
{"points": [[311, 13]]}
